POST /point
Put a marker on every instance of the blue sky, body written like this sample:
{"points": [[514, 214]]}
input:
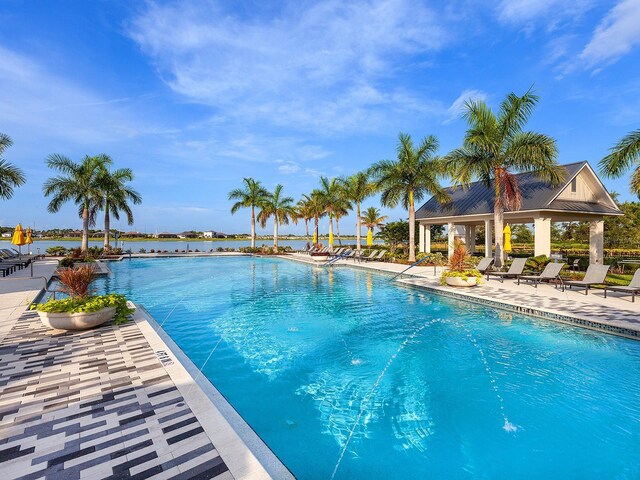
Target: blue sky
{"points": [[196, 95]]}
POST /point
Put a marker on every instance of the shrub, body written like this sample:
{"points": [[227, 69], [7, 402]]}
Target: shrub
{"points": [[219, 249], [90, 304], [460, 265], [56, 251], [76, 281], [66, 262], [151, 251], [142, 250]]}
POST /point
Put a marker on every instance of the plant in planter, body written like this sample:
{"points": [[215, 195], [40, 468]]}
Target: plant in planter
{"points": [[461, 272], [82, 309]]}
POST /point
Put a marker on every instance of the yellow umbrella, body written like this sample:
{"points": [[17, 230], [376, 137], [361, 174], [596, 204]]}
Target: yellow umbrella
{"points": [[315, 238], [28, 240], [507, 238], [331, 239], [369, 238], [18, 237]]}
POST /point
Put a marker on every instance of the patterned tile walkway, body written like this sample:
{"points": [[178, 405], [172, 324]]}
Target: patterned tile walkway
{"points": [[95, 404]]}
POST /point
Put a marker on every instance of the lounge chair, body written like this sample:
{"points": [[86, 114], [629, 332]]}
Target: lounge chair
{"points": [[515, 270], [372, 254], [6, 269], [485, 264], [375, 256], [633, 288], [595, 275], [338, 252], [550, 272]]}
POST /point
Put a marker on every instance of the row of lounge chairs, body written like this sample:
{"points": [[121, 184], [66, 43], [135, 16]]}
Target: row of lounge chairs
{"points": [[11, 260], [595, 275], [346, 253]]}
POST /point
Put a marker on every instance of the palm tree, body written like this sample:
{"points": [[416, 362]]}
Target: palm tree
{"points": [[317, 209], [495, 147], [372, 219], [357, 188], [622, 157], [333, 199], [409, 178], [280, 208], [115, 198], [251, 196], [10, 175], [78, 182], [304, 212]]}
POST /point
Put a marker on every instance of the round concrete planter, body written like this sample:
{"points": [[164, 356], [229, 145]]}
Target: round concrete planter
{"points": [[461, 282], [76, 321]]}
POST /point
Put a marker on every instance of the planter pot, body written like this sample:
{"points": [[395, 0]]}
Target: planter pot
{"points": [[76, 321], [461, 282], [320, 258]]}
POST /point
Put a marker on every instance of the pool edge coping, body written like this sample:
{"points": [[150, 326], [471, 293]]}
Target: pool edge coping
{"points": [[246, 455]]}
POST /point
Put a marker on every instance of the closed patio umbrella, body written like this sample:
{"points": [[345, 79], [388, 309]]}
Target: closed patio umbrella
{"points": [[369, 238], [18, 237], [331, 239], [28, 240], [507, 238], [315, 238]]}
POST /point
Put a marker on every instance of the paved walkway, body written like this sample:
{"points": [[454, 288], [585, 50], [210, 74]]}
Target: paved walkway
{"points": [[110, 402], [614, 314]]}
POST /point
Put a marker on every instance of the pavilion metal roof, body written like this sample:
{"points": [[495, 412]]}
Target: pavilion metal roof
{"points": [[477, 198]]}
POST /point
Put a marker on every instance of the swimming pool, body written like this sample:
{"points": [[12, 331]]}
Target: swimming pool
{"points": [[343, 372]]}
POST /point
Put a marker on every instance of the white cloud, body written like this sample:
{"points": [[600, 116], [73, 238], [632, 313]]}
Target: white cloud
{"points": [[320, 68], [288, 167], [616, 35], [457, 107], [550, 12]]}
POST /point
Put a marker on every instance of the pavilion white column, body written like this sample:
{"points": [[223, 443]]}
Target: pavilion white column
{"points": [[470, 238], [424, 233], [452, 237], [488, 237], [542, 236], [596, 242]]}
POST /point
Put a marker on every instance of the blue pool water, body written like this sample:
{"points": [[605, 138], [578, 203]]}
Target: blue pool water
{"points": [[345, 373]]}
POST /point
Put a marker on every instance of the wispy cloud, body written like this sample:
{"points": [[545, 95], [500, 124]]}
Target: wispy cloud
{"points": [[321, 68], [457, 107], [543, 12], [615, 36]]}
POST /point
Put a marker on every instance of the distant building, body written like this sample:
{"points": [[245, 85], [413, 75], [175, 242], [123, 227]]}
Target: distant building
{"points": [[188, 235], [133, 235], [214, 234], [6, 235], [166, 235]]}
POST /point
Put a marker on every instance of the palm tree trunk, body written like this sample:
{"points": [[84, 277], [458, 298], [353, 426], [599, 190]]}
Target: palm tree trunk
{"points": [[330, 226], [358, 226], [498, 225], [412, 227], [85, 229], [275, 231], [338, 232], [107, 228], [306, 227], [317, 229], [253, 227]]}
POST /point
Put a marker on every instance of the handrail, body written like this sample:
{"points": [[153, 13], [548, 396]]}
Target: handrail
{"points": [[409, 267], [335, 259], [45, 280]]}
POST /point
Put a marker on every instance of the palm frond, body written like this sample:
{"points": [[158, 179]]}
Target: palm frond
{"points": [[622, 156]]}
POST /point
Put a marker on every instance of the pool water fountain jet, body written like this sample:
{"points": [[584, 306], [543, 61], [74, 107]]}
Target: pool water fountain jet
{"points": [[366, 400], [195, 380], [507, 426]]}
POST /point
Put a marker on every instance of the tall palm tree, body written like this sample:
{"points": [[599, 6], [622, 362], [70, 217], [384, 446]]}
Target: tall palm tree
{"points": [[77, 182], [251, 196], [496, 147], [372, 219], [10, 175], [304, 212], [409, 178], [317, 209], [333, 199], [280, 208], [115, 198], [357, 188], [623, 156]]}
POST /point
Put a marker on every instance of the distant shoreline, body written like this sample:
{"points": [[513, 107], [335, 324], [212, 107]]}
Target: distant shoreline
{"points": [[146, 239]]}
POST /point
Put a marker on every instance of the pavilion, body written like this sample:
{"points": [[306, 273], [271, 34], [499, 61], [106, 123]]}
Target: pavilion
{"points": [[581, 197]]}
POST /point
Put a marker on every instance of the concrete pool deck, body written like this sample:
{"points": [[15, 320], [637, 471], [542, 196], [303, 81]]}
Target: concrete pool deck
{"points": [[615, 314], [111, 402]]}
